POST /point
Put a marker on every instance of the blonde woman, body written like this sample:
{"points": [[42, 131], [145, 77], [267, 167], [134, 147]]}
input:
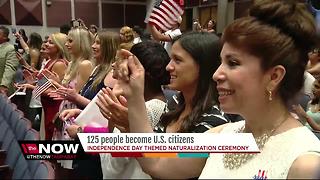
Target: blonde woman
{"points": [[105, 47], [127, 37], [78, 43], [56, 64], [79, 46], [54, 68]]}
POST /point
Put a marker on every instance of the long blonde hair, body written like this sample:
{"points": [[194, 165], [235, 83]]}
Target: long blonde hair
{"points": [[109, 44], [83, 41], [59, 39]]}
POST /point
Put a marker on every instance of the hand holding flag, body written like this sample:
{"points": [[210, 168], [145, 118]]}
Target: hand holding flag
{"points": [[42, 85], [165, 14]]}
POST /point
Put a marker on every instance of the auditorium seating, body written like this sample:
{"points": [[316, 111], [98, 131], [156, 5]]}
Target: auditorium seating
{"points": [[13, 128]]}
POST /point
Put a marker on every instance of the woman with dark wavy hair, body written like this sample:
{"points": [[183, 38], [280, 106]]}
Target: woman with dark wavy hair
{"points": [[194, 58]]}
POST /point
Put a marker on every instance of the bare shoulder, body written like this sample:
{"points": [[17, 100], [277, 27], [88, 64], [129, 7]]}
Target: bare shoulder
{"points": [[59, 64], [217, 129], [305, 167], [85, 64]]}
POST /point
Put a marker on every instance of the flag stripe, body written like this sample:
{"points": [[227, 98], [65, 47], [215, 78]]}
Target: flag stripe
{"points": [[42, 85], [172, 9], [165, 14], [42, 89], [160, 19], [39, 86], [158, 24], [172, 13], [176, 6], [38, 94], [169, 12]]}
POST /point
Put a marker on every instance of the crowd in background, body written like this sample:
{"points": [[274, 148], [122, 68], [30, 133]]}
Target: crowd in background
{"points": [[260, 77]]}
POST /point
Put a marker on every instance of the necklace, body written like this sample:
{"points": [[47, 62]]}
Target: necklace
{"points": [[235, 160]]}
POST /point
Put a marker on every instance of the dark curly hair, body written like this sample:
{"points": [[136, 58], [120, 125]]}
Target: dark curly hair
{"points": [[154, 59]]}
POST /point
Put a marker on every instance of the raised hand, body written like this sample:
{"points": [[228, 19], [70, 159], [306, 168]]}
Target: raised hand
{"points": [[24, 86], [51, 75], [130, 75], [17, 35]]}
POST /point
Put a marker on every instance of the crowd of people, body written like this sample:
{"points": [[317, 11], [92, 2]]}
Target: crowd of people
{"points": [[261, 77]]}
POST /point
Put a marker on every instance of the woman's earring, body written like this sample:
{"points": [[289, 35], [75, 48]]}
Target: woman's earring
{"points": [[270, 95]]}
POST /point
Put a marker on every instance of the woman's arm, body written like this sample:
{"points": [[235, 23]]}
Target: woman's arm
{"points": [[27, 86], [157, 35], [63, 93], [314, 70], [84, 72], [23, 44], [302, 114], [34, 56], [312, 123], [22, 61], [305, 167]]}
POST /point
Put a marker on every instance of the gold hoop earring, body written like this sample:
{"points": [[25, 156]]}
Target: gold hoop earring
{"points": [[270, 95]]}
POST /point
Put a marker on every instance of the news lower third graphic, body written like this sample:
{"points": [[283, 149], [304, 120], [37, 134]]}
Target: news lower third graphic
{"points": [[180, 145]]}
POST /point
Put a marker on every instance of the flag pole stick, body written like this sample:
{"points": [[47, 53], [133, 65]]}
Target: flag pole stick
{"points": [[14, 93]]}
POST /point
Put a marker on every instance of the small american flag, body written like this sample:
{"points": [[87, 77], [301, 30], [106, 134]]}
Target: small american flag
{"points": [[165, 14], [42, 85]]}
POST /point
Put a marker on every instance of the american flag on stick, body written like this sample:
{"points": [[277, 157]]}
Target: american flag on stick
{"points": [[42, 85], [165, 14]]}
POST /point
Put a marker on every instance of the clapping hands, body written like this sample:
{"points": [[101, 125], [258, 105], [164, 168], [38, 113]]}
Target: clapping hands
{"points": [[114, 109]]}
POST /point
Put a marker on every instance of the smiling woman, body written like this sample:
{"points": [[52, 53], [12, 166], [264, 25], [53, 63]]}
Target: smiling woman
{"points": [[263, 56], [194, 58], [195, 53]]}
